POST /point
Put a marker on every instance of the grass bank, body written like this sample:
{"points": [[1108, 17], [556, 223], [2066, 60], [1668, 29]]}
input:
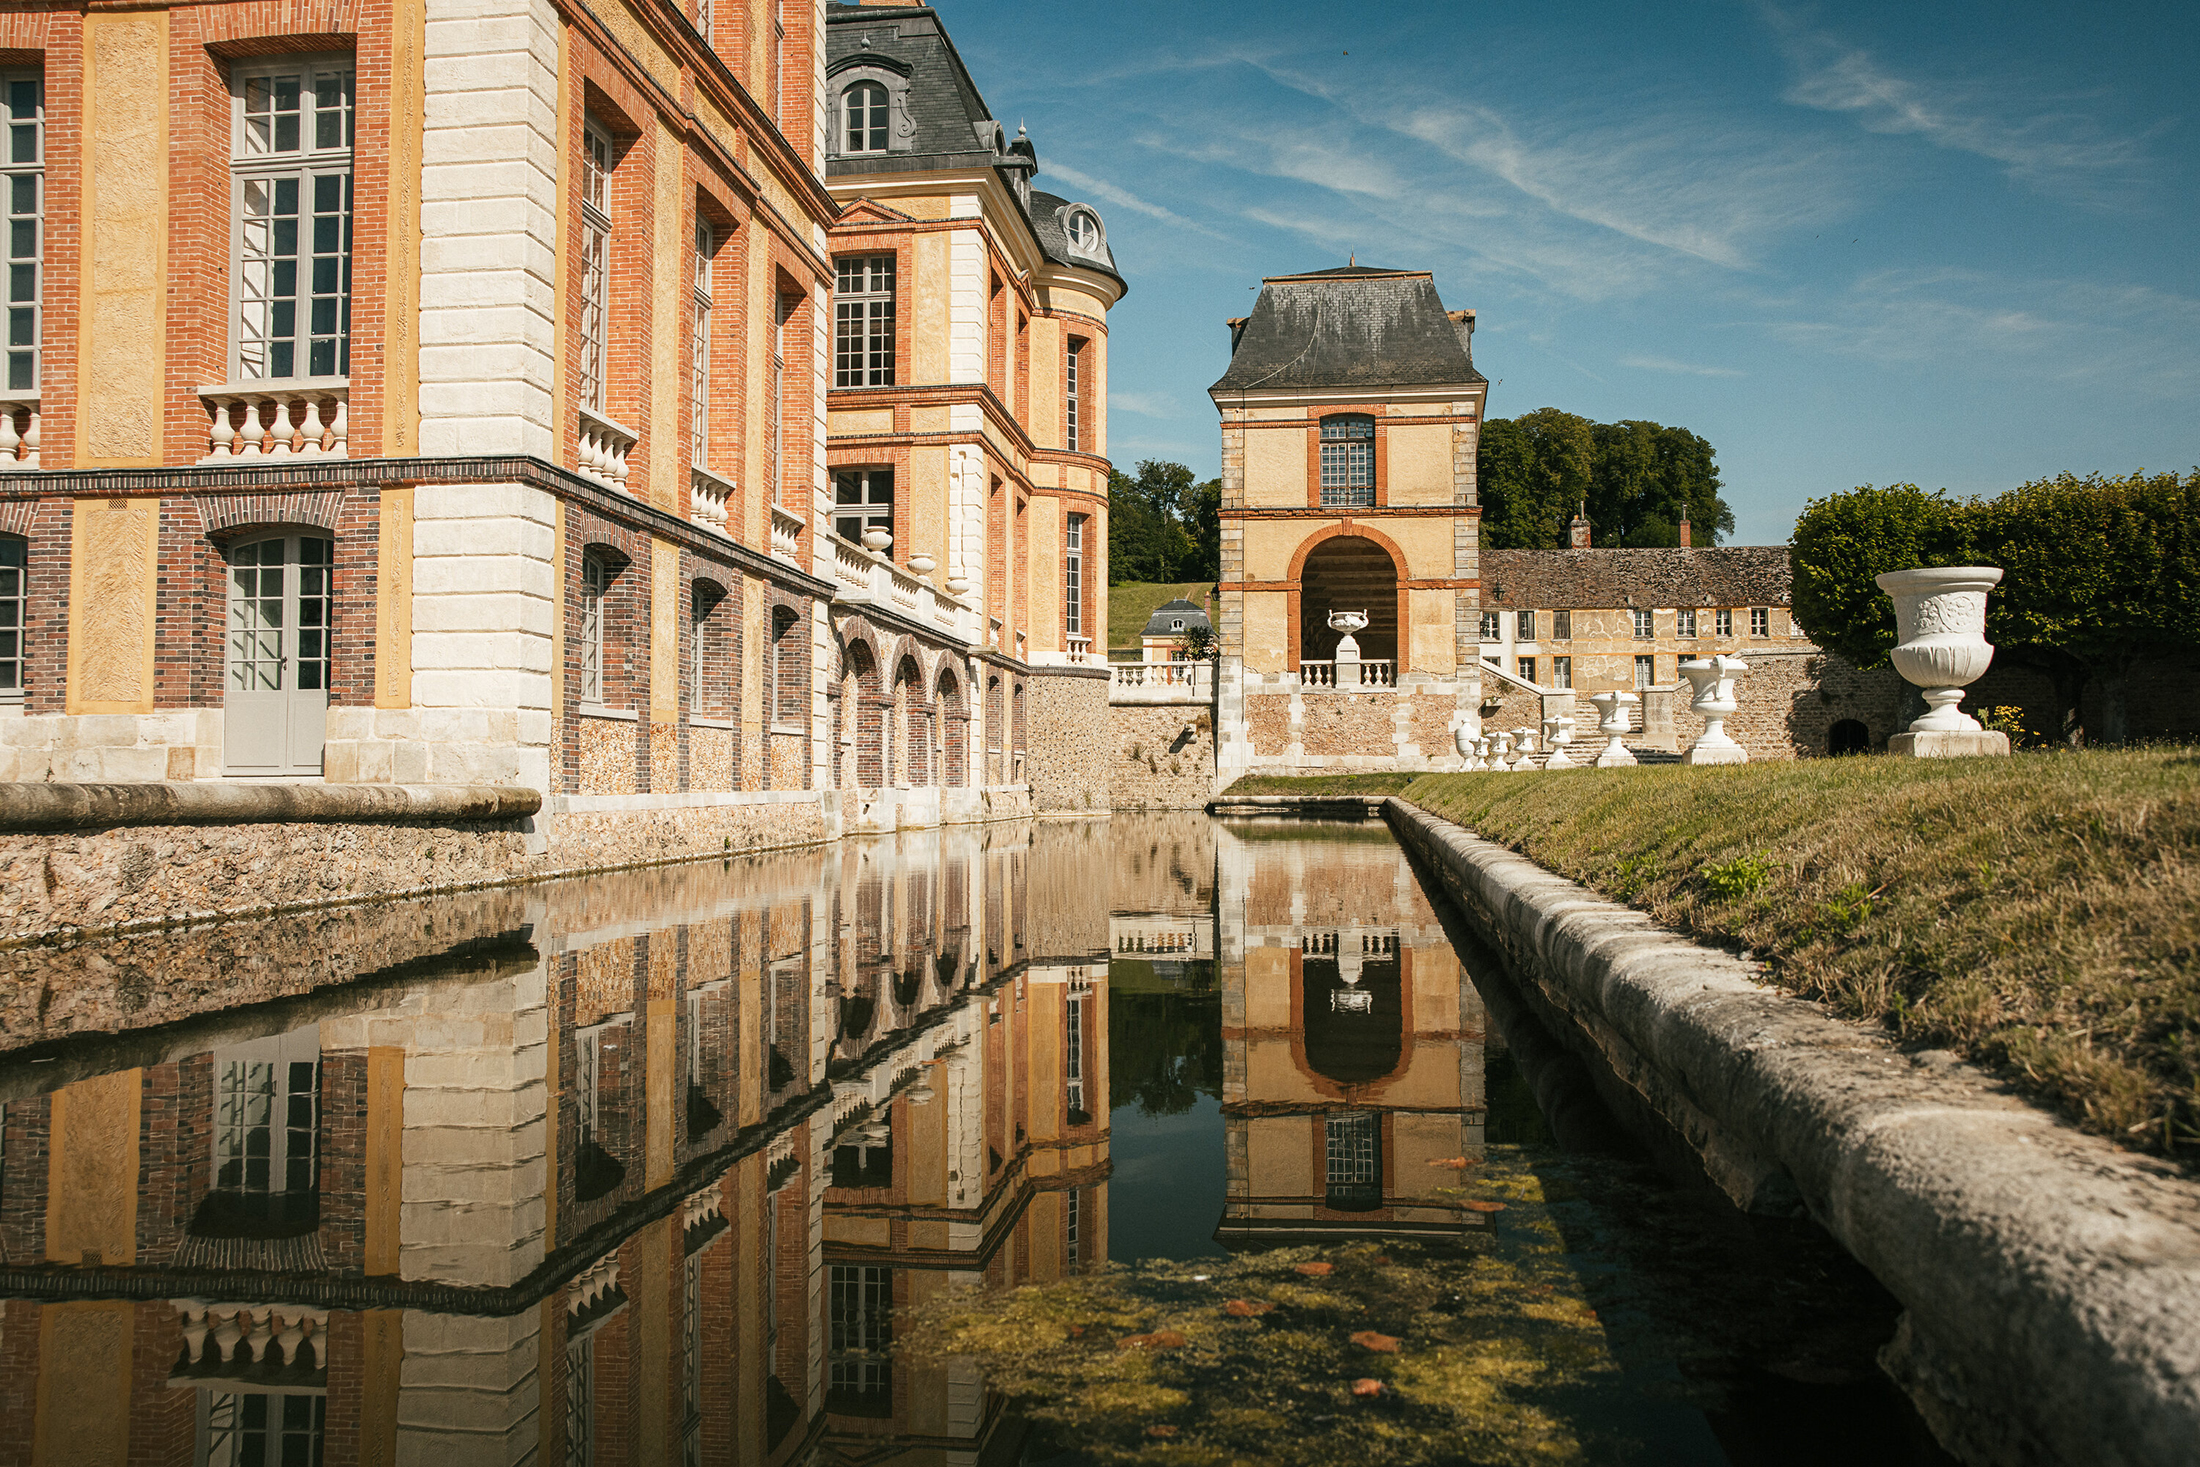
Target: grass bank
{"points": [[1131, 604], [2040, 914]]}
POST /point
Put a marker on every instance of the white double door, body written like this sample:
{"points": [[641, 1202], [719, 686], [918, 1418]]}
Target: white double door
{"points": [[281, 611]]}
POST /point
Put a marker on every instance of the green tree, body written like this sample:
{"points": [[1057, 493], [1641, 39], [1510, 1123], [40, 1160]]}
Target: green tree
{"points": [[1163, 524], [1843, 541], [1637, 479]]}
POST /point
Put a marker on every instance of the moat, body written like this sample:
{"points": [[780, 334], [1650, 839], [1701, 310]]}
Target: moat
{"points": [[1099, 1140]]}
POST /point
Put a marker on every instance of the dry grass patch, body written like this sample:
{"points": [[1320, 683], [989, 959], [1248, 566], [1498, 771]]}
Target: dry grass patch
{"points": [[2040, 913], [1322, 784]]}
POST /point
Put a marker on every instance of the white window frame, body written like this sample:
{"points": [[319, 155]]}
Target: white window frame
{"points": [[1493, 629], [863, 320], [595, 586], [1073, 428], [221, 1430], [1073, 578], [599, 156], [1562, 626], [1525, 666], [1686, 622], [784, 305], [1646, 670], [1524, 626], [878, 120], [706, 248], [15, 593], [254, 349], [1760, 621], [871, 508], [1562, 673], [1645, 627], [24, 96], [233, 1067], [1348, 460], [1722, 622]]}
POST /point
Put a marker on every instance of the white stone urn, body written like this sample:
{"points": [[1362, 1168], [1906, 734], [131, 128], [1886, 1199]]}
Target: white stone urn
{"points": [[1940, 618], [1713, 680], [1347, 654], [1612, 722], [922, 565], [1524, 748], [1558, 732], [876, 540], [1502, 759], [958, 586], [1462, 739]]}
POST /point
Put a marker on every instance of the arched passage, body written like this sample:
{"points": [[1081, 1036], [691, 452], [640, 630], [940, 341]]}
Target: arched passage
{"points": [[915, 711], [864, 710], [1348, 573], [955, 727], [1848, 736]]}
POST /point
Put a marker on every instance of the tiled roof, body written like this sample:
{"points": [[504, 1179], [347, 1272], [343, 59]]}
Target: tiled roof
{"points": [[1356, 326], [1168, 611], [1580, 580]]}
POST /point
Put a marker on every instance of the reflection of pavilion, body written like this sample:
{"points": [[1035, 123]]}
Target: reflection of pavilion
{"points": [[1352, 1046], [645, 1187]]}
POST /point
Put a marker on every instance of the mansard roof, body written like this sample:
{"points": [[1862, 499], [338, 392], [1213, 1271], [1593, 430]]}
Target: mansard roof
{"points": [[954, 127], [1157, 625], [1588, 580], [1354, 326]]}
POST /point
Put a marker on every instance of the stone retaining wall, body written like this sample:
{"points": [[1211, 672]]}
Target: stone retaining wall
{"points": [[2050, 1282], [1164, 756], [1066, 740]]}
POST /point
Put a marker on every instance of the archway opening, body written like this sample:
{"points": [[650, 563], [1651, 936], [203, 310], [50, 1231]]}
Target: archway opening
{"points": [[1348, 573], [1848, 736]]}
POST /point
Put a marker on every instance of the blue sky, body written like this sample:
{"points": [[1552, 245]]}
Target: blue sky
{"points": [[1952, 244]]}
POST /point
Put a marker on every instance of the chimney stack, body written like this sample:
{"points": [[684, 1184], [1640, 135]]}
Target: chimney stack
{"points": [[1578, 531], [1684, 530]]}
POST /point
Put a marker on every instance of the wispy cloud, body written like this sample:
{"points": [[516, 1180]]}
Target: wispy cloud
{"points": [[1100, 188], [1687, 369], [2057, 150], [1145, 404]]}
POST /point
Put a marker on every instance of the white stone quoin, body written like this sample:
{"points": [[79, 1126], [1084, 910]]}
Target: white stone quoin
{"points": [[1940, 623], [1713, 680], [1612, 722]]}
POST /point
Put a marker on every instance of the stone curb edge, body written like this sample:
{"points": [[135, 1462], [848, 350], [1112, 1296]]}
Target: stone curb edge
{"points": [[40, 806], [2051, 1283]]}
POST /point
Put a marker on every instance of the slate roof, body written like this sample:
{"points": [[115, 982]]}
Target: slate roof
{"points": [[1587, 580], [1168, 611], [955, 128], [1354, 326]]}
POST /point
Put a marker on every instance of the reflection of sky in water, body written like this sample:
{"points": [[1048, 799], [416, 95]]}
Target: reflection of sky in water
{"points": [[1165, 1192]]}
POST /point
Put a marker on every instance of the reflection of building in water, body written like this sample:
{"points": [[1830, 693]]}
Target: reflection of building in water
{"points": [[1352, 1041], [648, 1196]]}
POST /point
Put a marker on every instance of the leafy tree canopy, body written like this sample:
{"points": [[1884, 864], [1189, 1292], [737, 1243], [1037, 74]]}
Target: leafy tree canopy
{"points": [[1637, 478], [2098, 572], [1163, 525]]}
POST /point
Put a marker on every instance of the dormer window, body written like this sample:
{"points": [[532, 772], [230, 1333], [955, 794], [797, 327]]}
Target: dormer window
{"points": [[1176, 624], [1084, 233], [863, 118]]}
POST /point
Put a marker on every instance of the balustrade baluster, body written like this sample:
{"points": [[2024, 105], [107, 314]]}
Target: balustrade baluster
{"points": [[312, 431]]}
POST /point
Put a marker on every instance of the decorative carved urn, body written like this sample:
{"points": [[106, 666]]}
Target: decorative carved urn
{"points": [[958, 586], [1462, 739], [922, 565], [1524, 748], [876, 540], [1612, 722], [1502, 759], [1558, 732], [1713, 679], [1940, 617], [1347, 654]]}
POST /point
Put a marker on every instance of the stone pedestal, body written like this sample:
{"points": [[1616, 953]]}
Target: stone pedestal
{"points": [[1732, 753], [1963, 745]]}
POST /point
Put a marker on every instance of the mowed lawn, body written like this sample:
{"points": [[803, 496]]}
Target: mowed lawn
{"points": [[1131, 605], [2040, 913]]}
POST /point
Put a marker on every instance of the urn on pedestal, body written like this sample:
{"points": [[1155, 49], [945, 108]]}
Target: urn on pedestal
{"points": [[1347, 654], [922, 565], [1558, 732], [1713, 679], [1612, 722], [1502, 759], [876, 540], [1940, 624]]}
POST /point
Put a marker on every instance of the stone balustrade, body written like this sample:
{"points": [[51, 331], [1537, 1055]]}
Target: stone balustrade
{"points": [[1375, 672], [708, 497], [1161, 682], [239, 1333], [19, 439], [787, 535], [604, 446], [1080, 649], [597, 1286], [866, 578], [303, 417]]}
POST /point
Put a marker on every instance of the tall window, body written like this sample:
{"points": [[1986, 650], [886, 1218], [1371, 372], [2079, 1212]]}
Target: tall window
{"points": [[1562, 672], [595, 581], [1490, 633], [26, 203], [1524, 625], [1687, 620], [263, 1426], [1760, 621], [13, 569], [706, 244], [861, 1303], [596, 164], [291, 163], [1072, 400], [1722, 622], [267, 1119], [1645, 672], [863, 322], [863, 118], [863, 499], [580, 1401], [1355, 1159], [1642, 625], [1348, 460], [702, 19], [1073, 579], [1527, 669], [1562, 626], [783, 307]]}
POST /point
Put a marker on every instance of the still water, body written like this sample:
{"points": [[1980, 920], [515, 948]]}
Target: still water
{"points": [[1154, 1138]]}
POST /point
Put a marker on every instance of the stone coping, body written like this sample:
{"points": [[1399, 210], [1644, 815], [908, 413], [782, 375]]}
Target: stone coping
{"points": [[2050, 1282], [26, 806], [680, 800], [1357, 807]]}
